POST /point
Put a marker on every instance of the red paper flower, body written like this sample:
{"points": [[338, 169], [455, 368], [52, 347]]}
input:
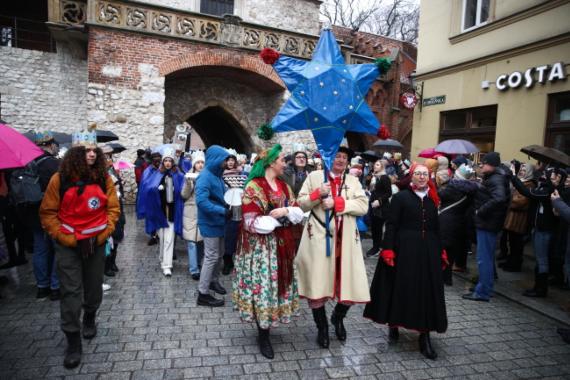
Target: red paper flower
{"points": [[269, 56], [383, 132]]}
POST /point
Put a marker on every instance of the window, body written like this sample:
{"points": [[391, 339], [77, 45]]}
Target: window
{"points": [[475, 14], [477, 125], [558, 122], [217, 7]]}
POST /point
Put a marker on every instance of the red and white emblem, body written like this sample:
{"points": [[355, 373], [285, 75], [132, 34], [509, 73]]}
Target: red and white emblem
{"points": [[408, 100]]}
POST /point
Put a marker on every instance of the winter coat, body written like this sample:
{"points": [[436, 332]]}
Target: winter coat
{"points": [[290, 178], [51, 204], [492, 201], [454, 211], [382, 192], [517, 215], [210, 194], [316, 270], [190, 230], [542, 217], [563, 209]]}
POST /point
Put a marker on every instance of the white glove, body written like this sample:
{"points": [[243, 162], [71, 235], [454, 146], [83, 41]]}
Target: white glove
{"points": [[161, 188], [375, 204], [190, 175]]}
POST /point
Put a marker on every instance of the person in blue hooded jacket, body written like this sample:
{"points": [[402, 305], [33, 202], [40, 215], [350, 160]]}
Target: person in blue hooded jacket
{"points": [[212, 214], [164, 207], [156, 158]]}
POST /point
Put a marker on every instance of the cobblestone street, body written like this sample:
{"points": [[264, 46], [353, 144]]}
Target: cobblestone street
{"points": [[151, 328]]}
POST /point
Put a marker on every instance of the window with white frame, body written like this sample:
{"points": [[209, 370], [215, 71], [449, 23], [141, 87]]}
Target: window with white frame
{"points": [[475, 14]]}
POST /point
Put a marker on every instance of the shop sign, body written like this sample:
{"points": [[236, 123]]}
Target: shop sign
{"points": [[540, 74], [434, 101], [408, 100]]}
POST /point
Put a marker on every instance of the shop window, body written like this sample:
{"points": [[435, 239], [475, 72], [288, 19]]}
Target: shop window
{"points": [[477, 125], [558, 122], [217, 7], [475, 14]]}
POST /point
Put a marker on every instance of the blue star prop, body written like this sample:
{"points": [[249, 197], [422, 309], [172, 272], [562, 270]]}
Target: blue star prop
{"points": [[327, 96]]}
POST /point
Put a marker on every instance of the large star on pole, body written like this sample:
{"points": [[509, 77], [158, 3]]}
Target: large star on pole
{"points": [[327, 96]]}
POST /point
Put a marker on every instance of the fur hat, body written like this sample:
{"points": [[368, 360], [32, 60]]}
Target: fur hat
{"points": [[232, 152], [169, 153], [198, 156]]}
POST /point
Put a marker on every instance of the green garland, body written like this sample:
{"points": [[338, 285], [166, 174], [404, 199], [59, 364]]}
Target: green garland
{"points": [[265, 132], [383, 64], [263, 161]]}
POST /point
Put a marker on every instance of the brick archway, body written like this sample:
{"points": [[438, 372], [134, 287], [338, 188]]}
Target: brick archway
{"points": [[233, 59]]}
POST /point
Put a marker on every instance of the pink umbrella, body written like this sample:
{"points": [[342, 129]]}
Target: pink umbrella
{"points": [[123, 165], [429, 153], [15, 149]]}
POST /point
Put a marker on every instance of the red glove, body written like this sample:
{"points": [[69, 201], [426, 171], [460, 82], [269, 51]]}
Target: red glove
{"points": [[339, 204], [444, 260], [388, 256]]}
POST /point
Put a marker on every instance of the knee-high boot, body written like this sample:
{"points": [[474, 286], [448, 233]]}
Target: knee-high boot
{"points": [[337, 318], [320, 317], [264, 343]]}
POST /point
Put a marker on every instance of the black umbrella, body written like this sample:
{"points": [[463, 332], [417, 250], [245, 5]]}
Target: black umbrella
{"points": [[387, 144], [59, 137], [371, 155], [547, 155], [105, 136], [117, 148]]}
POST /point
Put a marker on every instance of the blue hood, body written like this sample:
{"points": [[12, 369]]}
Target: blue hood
{"points": [[215, 156]]}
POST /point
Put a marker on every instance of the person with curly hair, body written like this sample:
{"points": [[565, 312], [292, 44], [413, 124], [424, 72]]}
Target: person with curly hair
{"points": [[79, 211]]}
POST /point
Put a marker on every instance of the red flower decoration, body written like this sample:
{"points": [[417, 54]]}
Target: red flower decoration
{"points": [[383, 132], [269, 56]]}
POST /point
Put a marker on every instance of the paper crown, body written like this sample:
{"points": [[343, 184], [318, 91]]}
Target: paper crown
{"points": [[242, 158], [87, 137], [232, 152], [169, 153], [198, 156], [298, 147], [43, 137]]}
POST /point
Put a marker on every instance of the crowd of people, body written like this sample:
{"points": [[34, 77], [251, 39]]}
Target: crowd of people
{"points": [[285, 230]]}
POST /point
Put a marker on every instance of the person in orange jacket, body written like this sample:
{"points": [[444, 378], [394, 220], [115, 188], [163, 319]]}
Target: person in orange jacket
{"points": [[79, 211]]}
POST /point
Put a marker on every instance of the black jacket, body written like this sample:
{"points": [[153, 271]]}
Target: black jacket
{"points": [[542, 217], [382, 192], [492, 201], [456, 200]]}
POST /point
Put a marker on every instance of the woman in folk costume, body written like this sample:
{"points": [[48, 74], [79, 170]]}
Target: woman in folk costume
{"points": [[342, 275], [190, 231], [164, 207], [407, 289], [265, 287], [79, 211]]}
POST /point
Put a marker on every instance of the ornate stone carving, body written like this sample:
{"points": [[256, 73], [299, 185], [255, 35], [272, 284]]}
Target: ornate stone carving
{"points": [[252, 38], [209, 31], [161, 22], [291, 45], [73, 12], [110, 13], [308, 48], [185, 27], [136, 18], [271, 41], [231, 30]]}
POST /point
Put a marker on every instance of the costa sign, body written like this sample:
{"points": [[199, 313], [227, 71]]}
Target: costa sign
{"points": [[540, 74]]}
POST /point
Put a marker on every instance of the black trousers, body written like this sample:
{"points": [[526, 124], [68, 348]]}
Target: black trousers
{"points": [[81, 284], [377, 226], [516, 245]]}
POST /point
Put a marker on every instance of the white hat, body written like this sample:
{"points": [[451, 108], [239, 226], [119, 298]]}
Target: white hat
{"points": [[298, 147], [232, 152], [387, 155], [169, 153], [242, 157], [198, 156]]}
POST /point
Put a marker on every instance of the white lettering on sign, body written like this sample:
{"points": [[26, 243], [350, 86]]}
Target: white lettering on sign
{"points": [[540, 74]]}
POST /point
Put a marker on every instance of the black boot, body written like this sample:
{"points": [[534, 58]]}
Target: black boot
{"points": [[114, 267], [337, 320], [426, 348], [393, 335], [89, 326], [264, 343], [320, 317], [540, 286], [108, 265], [228, 265], [73, 351]]}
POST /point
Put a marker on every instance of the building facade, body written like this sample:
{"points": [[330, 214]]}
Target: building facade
{"points": [[495, 73]]}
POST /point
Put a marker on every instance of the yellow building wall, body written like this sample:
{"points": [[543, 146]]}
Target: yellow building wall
{"points": [[521, 114], [441, 19]]}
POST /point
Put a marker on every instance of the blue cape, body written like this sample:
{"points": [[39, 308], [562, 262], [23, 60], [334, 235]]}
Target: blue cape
{"points": [[150, 196], [141, 203]]}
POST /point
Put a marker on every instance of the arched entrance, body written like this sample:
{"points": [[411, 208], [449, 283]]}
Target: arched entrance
{"points": [[215, 125]]}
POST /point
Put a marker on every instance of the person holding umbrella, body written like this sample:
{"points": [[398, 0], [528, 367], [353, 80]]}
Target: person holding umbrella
{"points": [[79, 211]]}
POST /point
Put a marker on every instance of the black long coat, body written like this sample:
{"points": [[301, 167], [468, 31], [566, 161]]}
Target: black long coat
{"points": [[411, 294]]}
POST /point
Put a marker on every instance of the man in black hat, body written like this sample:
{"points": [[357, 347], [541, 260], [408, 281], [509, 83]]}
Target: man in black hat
{"points": [[491, 203]]}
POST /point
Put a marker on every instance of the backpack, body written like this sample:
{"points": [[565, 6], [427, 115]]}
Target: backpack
{"points": [[25, 186]]}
